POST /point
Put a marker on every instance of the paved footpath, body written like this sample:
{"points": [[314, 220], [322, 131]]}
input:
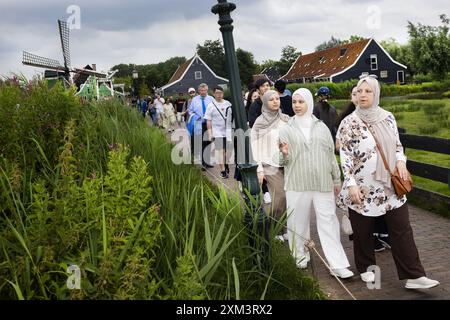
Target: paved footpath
{"points": [[432, 235]]}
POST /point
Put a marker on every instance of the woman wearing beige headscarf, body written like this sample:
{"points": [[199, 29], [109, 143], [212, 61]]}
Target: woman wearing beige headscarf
{"points": [[367, 190], [264, 142]]}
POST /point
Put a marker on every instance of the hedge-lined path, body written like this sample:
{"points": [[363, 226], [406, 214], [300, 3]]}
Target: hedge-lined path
{"points": [[432, 236]]}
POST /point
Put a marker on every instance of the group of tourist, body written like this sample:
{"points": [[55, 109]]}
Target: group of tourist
{"points": [[293, 143]]}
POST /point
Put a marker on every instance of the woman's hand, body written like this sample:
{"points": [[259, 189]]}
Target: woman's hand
{"points": [[284, 148], [355, 194], [337, 189], [260, 177], [402, 171]]}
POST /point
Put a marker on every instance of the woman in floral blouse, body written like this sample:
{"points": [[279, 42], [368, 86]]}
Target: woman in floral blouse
{"points": [[367, 189]]}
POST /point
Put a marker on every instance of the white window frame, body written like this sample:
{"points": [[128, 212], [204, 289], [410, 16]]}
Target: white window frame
{"points": [[384, 74], [198, 75], [373, 62]]}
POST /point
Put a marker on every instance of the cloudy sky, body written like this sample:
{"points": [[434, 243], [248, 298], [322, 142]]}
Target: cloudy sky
{"points": [[150, 31]]}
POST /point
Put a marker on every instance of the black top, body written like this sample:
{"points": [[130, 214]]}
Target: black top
{"points": [[254, 112], [180, 104], [286, 105], [327, 113]]}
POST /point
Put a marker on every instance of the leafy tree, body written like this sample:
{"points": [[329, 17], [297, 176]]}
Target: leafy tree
{"points": [[400, 53], [247, 65], [213, 53], [288, 56], [333, 42], [430, 47]]}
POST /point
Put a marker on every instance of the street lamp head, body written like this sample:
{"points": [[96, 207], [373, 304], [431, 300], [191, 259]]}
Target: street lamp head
{"points": [[135, 74], [223, 7]]}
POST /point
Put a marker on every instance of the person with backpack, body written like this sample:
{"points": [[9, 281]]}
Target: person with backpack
{"points": [[285, 99], [218, 116], [325, 111]]}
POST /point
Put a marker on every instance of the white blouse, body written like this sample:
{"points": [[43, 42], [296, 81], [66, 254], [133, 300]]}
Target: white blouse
{"points": [[266, 147], [359, 158]]}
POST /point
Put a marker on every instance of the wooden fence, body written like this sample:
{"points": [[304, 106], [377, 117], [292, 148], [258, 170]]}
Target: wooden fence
{"points": [[432, 200]]}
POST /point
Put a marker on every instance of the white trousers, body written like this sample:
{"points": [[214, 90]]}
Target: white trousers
{"points": [[299, 206]]}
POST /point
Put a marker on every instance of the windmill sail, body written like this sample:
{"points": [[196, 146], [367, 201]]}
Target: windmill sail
{"points": [[64, 35], [38, 61]]}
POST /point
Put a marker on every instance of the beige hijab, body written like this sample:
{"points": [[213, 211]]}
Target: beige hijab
{"points": [[269, 118], [375, 117]]}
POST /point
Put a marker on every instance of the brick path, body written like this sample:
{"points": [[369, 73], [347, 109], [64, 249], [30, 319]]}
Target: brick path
{"points": [[432, 236]]}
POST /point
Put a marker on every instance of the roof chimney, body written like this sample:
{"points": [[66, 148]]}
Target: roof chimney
{"points": [[94, 67]]}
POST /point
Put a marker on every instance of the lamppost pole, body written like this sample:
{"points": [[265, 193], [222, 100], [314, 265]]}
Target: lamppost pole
{"points": [[136, 85], [255, 217]]}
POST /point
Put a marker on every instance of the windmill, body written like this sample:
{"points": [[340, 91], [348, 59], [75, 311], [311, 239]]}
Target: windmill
{"points": [[54, 69]]}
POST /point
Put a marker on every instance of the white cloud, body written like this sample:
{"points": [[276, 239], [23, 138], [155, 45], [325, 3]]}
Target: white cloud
{"points": [[144, 32]]}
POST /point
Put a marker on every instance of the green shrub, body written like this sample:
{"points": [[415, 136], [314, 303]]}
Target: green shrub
{"points": [[106, 196], [428, 129], [433, 109]]}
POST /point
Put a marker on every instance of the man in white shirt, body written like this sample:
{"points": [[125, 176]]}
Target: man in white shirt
{"points": [[159, 106], [218, 116]]}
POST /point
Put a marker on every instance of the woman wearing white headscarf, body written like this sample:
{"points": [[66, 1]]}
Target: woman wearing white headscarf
{"points": [[367, 190], [264, 142], [311, 176]]}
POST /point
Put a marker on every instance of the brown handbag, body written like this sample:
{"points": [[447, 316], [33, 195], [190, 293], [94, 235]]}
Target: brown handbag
{"points": [[401, 186]]}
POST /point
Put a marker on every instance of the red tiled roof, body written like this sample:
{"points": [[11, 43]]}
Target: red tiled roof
{"points": [[325, 63], [181, 69]]}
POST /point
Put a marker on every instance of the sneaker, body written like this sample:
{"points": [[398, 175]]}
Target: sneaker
{"points": [[385, 241], [285, 237], [224, 175], [302, 264], [343, 273], [378, 245], [279, 238], [421, 283], [267, 198], [368, 276]]}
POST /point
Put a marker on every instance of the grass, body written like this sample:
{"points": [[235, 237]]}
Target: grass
{"points": [[110, 199]]}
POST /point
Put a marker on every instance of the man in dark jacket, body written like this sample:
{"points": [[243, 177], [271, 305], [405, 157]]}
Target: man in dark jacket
{"points": [[324, 111], [285, 100], [254, 112]]}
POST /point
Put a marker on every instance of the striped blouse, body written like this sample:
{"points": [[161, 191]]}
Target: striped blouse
{"points": [[309, 166]]}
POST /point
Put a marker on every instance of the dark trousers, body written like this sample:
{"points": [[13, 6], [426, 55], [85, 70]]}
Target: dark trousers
{"points": [[206, 157], [198, 140], [404, 250]]}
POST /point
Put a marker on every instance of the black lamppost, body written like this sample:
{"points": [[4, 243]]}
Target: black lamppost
{"points": [[136, 84], [255, 217]]}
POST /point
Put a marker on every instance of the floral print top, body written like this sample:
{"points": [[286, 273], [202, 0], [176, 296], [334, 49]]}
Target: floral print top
{"points": [[358, 160]]}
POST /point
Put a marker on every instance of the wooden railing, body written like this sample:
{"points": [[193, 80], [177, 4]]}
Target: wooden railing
{"points": [[428, 171]]}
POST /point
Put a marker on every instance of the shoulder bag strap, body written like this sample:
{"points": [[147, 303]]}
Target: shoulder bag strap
{"points": [[378, 147]]}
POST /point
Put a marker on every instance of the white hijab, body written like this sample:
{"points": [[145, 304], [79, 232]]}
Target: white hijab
{"points": [[305, 122]]}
